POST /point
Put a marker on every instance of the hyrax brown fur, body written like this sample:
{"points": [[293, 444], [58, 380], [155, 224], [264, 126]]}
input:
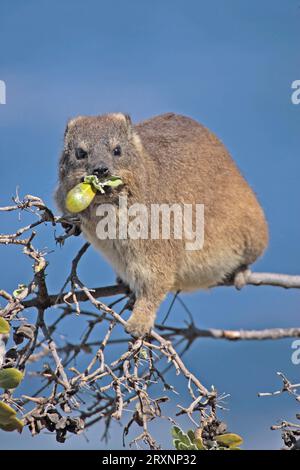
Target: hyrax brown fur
{"points": [[166, 159]]}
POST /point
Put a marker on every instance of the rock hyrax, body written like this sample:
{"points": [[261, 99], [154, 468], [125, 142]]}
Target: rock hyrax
{"points": [[164, 160]]}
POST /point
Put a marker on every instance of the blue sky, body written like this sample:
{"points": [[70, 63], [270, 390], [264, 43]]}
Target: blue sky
{"points": [[227, 63]]}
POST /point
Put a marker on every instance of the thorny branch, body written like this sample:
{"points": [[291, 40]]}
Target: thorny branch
{"points": [[290, 432], [105, 385]]}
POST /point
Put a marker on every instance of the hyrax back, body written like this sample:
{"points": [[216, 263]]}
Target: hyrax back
{"points": [[169, 159]]}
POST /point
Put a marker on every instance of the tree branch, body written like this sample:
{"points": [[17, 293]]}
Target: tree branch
{"points": [[192, 332]]}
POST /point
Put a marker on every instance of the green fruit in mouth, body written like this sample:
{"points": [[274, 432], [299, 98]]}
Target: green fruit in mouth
{"points": [[80, 197]]}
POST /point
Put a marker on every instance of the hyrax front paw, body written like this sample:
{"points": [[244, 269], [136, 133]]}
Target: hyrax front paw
{"points": [[138, 327]]}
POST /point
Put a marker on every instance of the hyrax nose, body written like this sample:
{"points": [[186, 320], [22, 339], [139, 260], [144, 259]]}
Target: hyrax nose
{"points": [[101, 171]]}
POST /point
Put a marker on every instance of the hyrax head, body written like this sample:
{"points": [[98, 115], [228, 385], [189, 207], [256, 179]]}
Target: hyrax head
{"points": [[98, 145]]}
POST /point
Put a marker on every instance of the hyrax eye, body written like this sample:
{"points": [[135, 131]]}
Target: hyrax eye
{"points": [[117, 151], [80, 153]]}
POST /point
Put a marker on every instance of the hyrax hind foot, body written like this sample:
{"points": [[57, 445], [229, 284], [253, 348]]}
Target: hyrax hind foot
{"points": [[142, 318], [241, 277], [139, 325]]}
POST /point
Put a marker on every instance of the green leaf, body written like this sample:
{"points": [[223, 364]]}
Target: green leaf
{"points": [[94, 183], [198, 439], [91, 179], [182, 446], [113, 182], [176, 443], [229, 440], [20, 289], [176, 432], [10, 378], [185, 439], [113, 178], [143, 353], [188, 440], [4, 326], [196, 443], [191, 436], [199, 444], [6, 412], [14, 424], [8, 420]]}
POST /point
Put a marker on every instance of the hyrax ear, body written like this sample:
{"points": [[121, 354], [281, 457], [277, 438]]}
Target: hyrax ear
{"points": [[128, 120], [71, 123], [132, 134], [125, 118]]}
